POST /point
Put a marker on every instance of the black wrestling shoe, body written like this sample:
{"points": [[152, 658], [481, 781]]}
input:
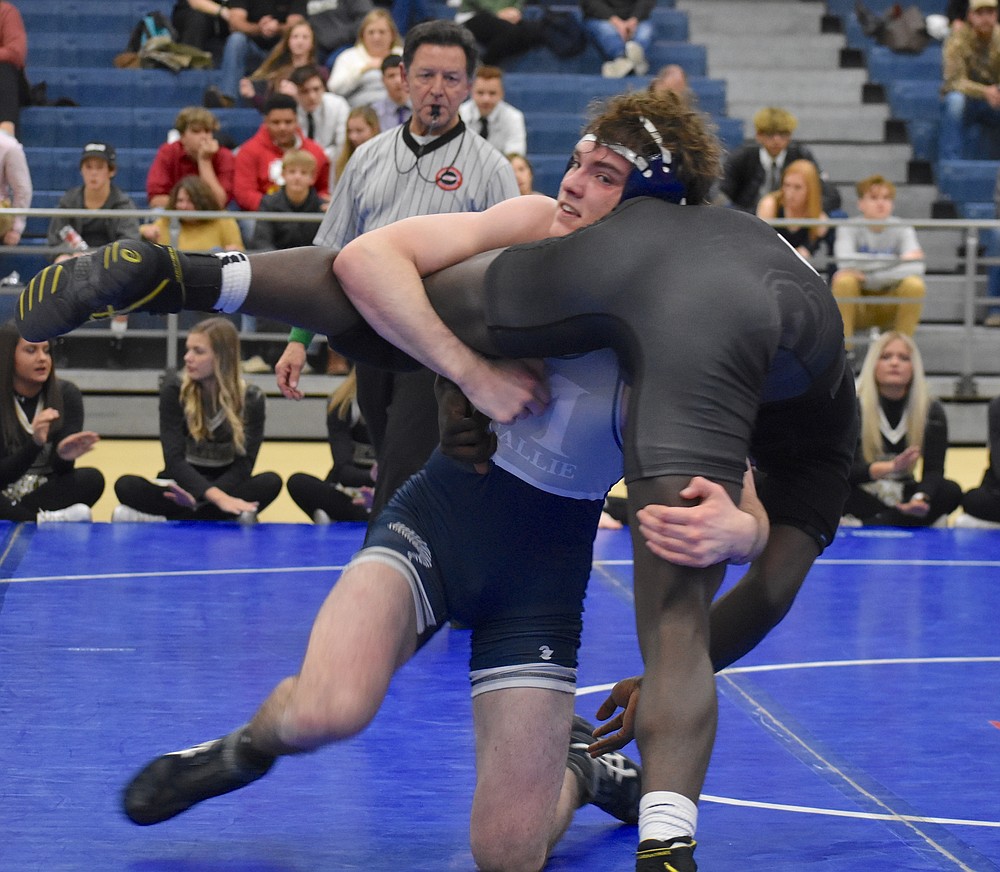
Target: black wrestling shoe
{"points": [[677, 855], [174, 782], [612, 781], [126, 276]]}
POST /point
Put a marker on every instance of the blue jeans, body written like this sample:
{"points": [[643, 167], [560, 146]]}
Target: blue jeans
{"points": [[610, 44], [240, 55], [958, 114]]}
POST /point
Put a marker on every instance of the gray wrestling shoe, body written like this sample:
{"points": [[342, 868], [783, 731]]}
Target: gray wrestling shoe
{"points": [[612, 782], [125, 276], [174, 782]]}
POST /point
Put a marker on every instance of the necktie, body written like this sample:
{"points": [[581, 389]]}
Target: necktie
{"points": [[484, 128], [310, 126], [401, 114], [775, 180]]}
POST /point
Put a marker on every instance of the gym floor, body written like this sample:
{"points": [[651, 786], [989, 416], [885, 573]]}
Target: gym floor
{"points": [[864, 733]]}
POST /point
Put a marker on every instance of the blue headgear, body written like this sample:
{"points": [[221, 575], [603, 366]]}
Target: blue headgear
{"points": [[653, 176]]}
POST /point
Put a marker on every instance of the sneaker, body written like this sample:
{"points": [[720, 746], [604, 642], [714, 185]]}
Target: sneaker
{"points": [[174, 782], [76, 512], [618, 68], [612, 781], [125, 276], [851, 521], [255, 365], [247, 519], [971, 522], [127, 515], [677, 855], [321, 518], [634, 52]]}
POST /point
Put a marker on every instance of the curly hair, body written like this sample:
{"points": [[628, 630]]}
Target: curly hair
{"points": [[688, 134]]}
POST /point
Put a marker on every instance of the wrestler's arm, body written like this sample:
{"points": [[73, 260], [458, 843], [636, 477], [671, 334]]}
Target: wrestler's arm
{"points": [[380, 272]]}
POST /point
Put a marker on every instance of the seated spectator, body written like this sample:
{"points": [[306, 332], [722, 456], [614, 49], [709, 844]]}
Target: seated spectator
{"points": [[203, 24], [622, 32], [15, 188], [255, 27], [800, 196], [335, 23], [41, 437], [322, 115], [296, 48], [296, 195], [362, 125], [345, 493], [394, 108], [211, 429], [194, 234], [524, 172], [258, 160], [500, 28], [13, 57], [883, 260], [492, 117], [672, 78], [970, 88], [755, 170], [981, 505], [900, 425], [73, 234], [357, 71], [196, 153]]}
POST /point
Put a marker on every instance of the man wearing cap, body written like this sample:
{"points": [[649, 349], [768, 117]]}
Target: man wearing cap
{"points": [[98, 165], [755, 170], [971, 76]]}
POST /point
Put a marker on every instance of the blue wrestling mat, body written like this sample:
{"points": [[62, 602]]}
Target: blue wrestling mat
{"points": [[863, 734]]}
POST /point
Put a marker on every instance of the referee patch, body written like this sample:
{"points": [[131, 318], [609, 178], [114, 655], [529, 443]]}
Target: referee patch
{"points": [[448, 179]]}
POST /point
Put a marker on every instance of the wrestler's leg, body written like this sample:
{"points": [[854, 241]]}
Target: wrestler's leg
{"points": [[747, 612], [676, 719], [363, 632], [525, 796]]}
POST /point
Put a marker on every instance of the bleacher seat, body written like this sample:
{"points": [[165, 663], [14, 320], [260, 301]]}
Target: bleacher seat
{"points": [[845, 8], [885, 65], [99, 86], [967, 181], [57, 169]]}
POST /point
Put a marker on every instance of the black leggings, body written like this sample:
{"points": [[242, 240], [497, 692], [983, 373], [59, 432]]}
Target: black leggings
{"points": [[145, 496], [501, 39], [13, 93], [84, 485], [872, 512], [311, 493]]}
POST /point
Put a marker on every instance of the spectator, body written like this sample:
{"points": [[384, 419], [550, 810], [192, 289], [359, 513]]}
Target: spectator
{"points": [[41, 437], [981, 505], [500, 28], [258, 161], [98, 165], [13, 57], [335, 23], [622, 32], [800, 196], [492, 117], [296, 48], [194, 234], [755, 170], [362, 125], [672, 78], [15, 187], [196, 153], [883, 260], [211, 429], [357, 71], [524, 173], [203, 24], [255, 26], [900, 425], [297, 195], [394, 108], [970, 88], [322, 115], [345, 493]]}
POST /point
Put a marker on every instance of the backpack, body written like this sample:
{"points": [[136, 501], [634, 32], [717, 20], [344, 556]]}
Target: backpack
{"points": [[563, 33], [150, 25]]}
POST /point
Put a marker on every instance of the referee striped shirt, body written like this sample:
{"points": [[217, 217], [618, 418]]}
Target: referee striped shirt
{"points": [[393, 176]]}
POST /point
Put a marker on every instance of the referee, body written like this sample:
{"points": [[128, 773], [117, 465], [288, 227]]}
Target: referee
{"points": [[429, 166]]}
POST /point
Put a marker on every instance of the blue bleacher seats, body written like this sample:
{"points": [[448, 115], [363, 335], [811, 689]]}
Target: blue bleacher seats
{"points": [[59, 168], [845, 8], [915, 98], [967, 181], [97, 86], [693, 58], [887, 66]]}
